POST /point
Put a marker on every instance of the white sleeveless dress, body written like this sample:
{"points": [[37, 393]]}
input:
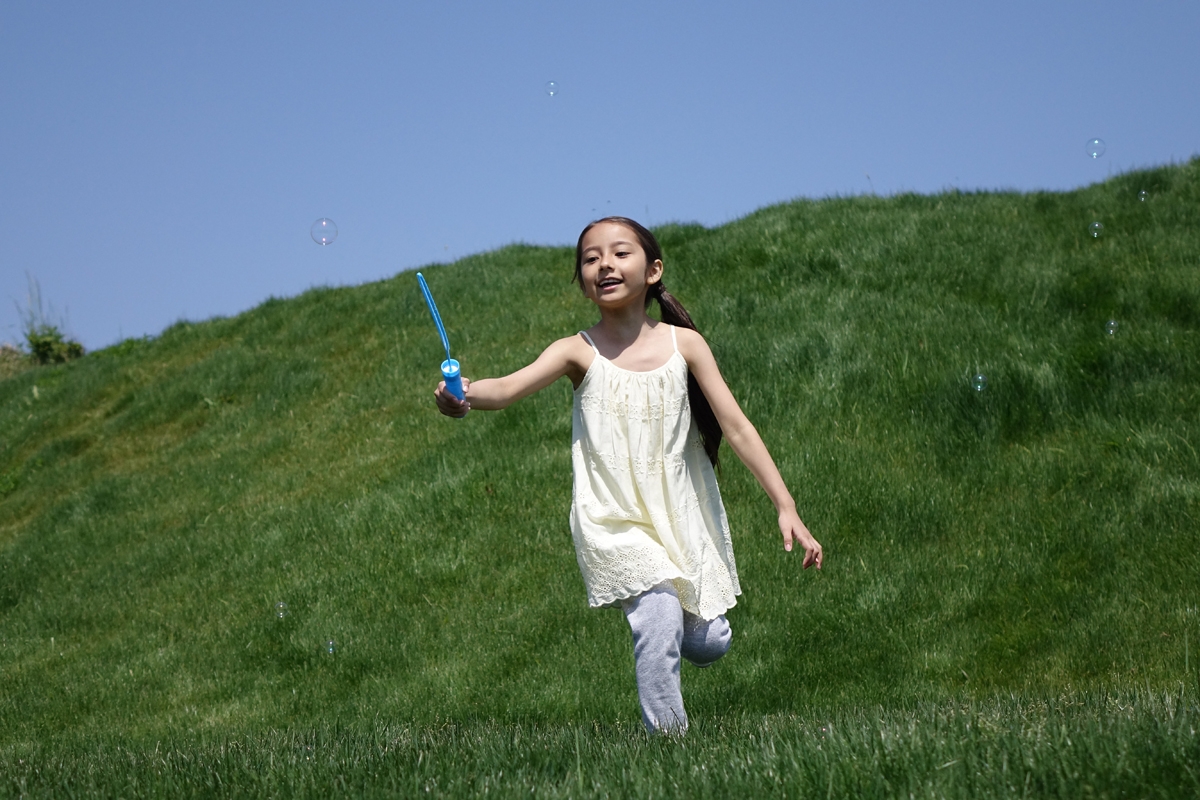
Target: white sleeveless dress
{"points": [[646, 508]]}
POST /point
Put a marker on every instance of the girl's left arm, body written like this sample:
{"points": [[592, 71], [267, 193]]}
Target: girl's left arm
{"points": [[747, 444]]}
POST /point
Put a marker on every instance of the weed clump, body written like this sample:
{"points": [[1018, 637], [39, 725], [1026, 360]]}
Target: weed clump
{"points": [[48, 345], [45, 339]]}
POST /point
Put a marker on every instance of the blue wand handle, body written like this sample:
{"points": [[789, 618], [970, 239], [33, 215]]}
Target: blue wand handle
{"points": [[450, 371], [452, 377]]}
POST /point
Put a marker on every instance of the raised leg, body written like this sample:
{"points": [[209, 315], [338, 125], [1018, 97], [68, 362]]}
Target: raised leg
{"points": [[704, 640]]}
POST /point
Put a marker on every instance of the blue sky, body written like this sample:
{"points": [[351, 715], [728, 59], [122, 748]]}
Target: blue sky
{"points": [[164, 161]]}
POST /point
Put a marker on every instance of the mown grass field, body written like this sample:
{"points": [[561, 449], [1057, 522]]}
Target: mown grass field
{"points": [[1009, 604]]}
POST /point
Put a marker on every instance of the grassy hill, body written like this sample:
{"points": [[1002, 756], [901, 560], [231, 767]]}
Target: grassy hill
{"points": [[1034, 540]]}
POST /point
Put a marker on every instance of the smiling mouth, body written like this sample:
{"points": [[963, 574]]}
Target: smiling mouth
{"points": [[608, 283]]}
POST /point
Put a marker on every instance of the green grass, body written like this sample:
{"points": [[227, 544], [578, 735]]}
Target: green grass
{"points": [[1134, 746], [1010, 560]]}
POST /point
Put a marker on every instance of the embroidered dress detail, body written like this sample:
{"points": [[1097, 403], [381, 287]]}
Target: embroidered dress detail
{"points": [[646, 507]]}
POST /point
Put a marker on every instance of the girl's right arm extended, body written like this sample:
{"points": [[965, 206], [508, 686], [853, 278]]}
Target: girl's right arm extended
{"points": [[489, 394]]}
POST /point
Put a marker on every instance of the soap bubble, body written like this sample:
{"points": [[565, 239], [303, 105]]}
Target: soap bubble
{"points": [[323, 231], [1111, 327], [281, 609], [1095, 148], [1095, 229], [979, 382], [551, 88], [1142, 195], [330, 646]]}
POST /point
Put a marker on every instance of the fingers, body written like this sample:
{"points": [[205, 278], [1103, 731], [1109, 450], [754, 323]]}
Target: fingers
{"points": [[448, 404], [813, 553]]}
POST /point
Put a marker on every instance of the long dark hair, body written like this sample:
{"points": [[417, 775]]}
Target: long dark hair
{"points": [[672, 313]]}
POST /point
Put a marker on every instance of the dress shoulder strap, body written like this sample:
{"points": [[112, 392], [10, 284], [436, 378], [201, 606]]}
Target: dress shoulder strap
{"points": [[589, 341], [674, 341]]}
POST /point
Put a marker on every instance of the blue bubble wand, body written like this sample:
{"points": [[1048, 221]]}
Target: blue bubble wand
{"points": [[449, 367]]}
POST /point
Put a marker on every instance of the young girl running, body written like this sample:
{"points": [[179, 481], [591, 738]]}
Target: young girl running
{"points": [[650, 407]]}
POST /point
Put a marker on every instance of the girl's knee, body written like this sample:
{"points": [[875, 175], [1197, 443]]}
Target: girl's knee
{"points": [[705, 641]]}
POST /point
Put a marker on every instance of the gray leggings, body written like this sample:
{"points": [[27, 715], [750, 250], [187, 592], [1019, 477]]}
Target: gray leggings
{"points": [[663, 633]]}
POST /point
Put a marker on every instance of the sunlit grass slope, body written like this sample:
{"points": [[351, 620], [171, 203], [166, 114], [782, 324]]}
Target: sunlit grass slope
{"points": [[1038, 537]]}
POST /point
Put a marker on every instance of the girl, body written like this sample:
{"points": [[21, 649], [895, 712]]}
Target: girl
{"points": [[650, 408]]}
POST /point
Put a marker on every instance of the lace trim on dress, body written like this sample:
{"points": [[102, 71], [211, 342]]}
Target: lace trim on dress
{"points": [[636, 464], [642, 412], [629, 578]]}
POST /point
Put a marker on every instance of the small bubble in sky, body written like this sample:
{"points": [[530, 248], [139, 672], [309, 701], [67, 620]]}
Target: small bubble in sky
{"points": [[281, 609], [1142, 195], [979, 382], [1095, 147], [551, 88], [330, 646], [1095, 229], [323, 231], [1111, 327]]}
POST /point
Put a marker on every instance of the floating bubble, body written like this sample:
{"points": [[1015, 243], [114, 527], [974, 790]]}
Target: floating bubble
{"points": [[323, 231], [330, 646], [281, 609], [1095, 147], [979, 382], [1142, 195], [1111, 327], [551, 88], [1095, 229]]}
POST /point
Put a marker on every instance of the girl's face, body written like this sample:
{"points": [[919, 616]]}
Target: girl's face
{"points": [[614, 267]]}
